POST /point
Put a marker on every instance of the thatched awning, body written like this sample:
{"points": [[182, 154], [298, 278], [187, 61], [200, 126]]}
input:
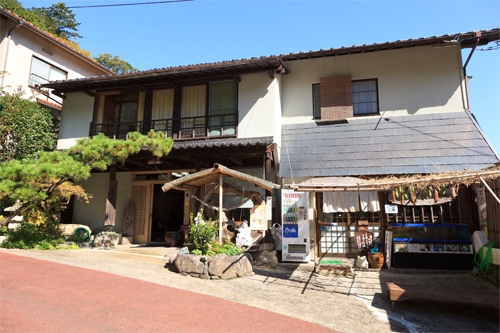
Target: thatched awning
{"points": [[327, 184], [205, 176]]}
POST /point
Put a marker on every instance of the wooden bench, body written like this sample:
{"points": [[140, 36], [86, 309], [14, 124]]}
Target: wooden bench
{"points": [[402, 292]]}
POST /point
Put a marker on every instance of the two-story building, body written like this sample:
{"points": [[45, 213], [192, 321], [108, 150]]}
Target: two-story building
{"points": [[386, 109], [31, 57]]}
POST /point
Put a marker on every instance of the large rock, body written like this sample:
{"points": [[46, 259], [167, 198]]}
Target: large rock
{"points": [[219, 267], [265, 259], [229, 267], [189, 264], [106, 239]]}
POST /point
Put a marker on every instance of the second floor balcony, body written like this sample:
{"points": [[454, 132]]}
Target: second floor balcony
{"points": [[185, 128]]}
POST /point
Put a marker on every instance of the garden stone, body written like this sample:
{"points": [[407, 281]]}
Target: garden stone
{"points": [[106, 239], [183, 250], [189, 264], [265, 259], [229, 267], [174, 254]]}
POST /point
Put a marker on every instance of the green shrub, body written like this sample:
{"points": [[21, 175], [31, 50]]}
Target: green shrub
{"points": [[229, 249], [30, 236], [202, 233]]}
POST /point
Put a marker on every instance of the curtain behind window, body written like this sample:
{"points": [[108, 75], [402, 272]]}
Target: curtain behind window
{"points": [[163, 109], [364, 97], [223, 101], [193, 105]]}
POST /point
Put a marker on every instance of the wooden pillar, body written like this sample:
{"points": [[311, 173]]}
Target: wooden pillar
{"points": [[268, 158], [221, 193], [109, 220]]}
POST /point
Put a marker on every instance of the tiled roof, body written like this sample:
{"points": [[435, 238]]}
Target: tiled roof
{"points": [[413, 144], [223, 143], [59, 41], [273, 62]]}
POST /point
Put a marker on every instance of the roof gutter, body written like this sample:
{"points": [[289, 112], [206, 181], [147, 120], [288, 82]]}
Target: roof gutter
{"points": [[6, 57]]}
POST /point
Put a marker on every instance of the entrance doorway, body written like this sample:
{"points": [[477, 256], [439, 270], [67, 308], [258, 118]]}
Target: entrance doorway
{"points": [[167, 214]]}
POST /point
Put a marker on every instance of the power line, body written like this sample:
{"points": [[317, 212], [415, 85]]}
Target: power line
{"points": [[129, 4]]}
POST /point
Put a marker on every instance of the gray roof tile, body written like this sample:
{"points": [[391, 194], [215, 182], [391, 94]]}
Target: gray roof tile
{"points": [[426, 143]]}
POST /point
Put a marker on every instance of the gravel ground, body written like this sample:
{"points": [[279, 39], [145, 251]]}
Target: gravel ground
{"points": [[345, 304]]}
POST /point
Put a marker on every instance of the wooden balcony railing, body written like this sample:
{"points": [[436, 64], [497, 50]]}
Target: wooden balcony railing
{"points": [[176, 128]]}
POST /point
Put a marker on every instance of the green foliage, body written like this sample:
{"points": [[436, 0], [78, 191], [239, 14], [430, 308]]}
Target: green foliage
{"points": [[42, 185], [115, 63], [31, 236], [202, 233], [100, 151], [229, 249], [26, 128], [57, 19], [60, 20]]}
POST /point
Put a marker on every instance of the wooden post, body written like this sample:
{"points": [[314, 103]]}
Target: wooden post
{"points": [[489, 189], [221, 193], [109, 221]]}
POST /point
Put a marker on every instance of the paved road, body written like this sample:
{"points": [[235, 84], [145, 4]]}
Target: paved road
{"points": [[43, 296]]}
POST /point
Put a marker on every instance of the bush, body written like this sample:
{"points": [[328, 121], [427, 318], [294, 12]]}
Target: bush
{"points": [[30, 236], [202, 233], [229, 249]]}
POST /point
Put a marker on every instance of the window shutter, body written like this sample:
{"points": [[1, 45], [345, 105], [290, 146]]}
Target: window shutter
{"points": [[336, 98]]}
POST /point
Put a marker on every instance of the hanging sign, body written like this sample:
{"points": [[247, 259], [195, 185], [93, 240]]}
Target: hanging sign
{"points": [[391, 209], [258, 217], [481, 204]]}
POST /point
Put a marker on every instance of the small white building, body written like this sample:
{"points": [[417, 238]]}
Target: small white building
{"points": [[30, 57]]}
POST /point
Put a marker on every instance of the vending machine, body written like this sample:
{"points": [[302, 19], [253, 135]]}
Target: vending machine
{"points": [[296, 244]]}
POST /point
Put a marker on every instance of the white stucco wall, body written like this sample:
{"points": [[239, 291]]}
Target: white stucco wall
{"points": [[259, 106], [412, 80], [76, 116], [93, 213]]}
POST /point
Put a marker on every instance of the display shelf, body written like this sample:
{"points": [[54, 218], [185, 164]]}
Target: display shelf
{"points": [[419, 245]]}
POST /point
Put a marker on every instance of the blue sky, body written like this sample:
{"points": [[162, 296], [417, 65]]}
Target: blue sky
{"points": [[203, 31]]}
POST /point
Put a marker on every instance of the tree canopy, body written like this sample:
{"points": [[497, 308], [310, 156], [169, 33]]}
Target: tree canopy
{"points": [[43, 184], [26, 128], [57, 19], [115, 63]]}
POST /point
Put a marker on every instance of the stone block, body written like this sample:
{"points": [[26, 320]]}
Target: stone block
{"points": [[229, 267], [189, 264], [106, 239], [127, 240]]}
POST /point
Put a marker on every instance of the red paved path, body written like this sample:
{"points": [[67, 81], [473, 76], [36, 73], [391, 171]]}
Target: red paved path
{"points": [[43, 296]]}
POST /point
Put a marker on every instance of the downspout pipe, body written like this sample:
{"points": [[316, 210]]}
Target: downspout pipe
{"points": [[477, 35], [5, 62]]}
